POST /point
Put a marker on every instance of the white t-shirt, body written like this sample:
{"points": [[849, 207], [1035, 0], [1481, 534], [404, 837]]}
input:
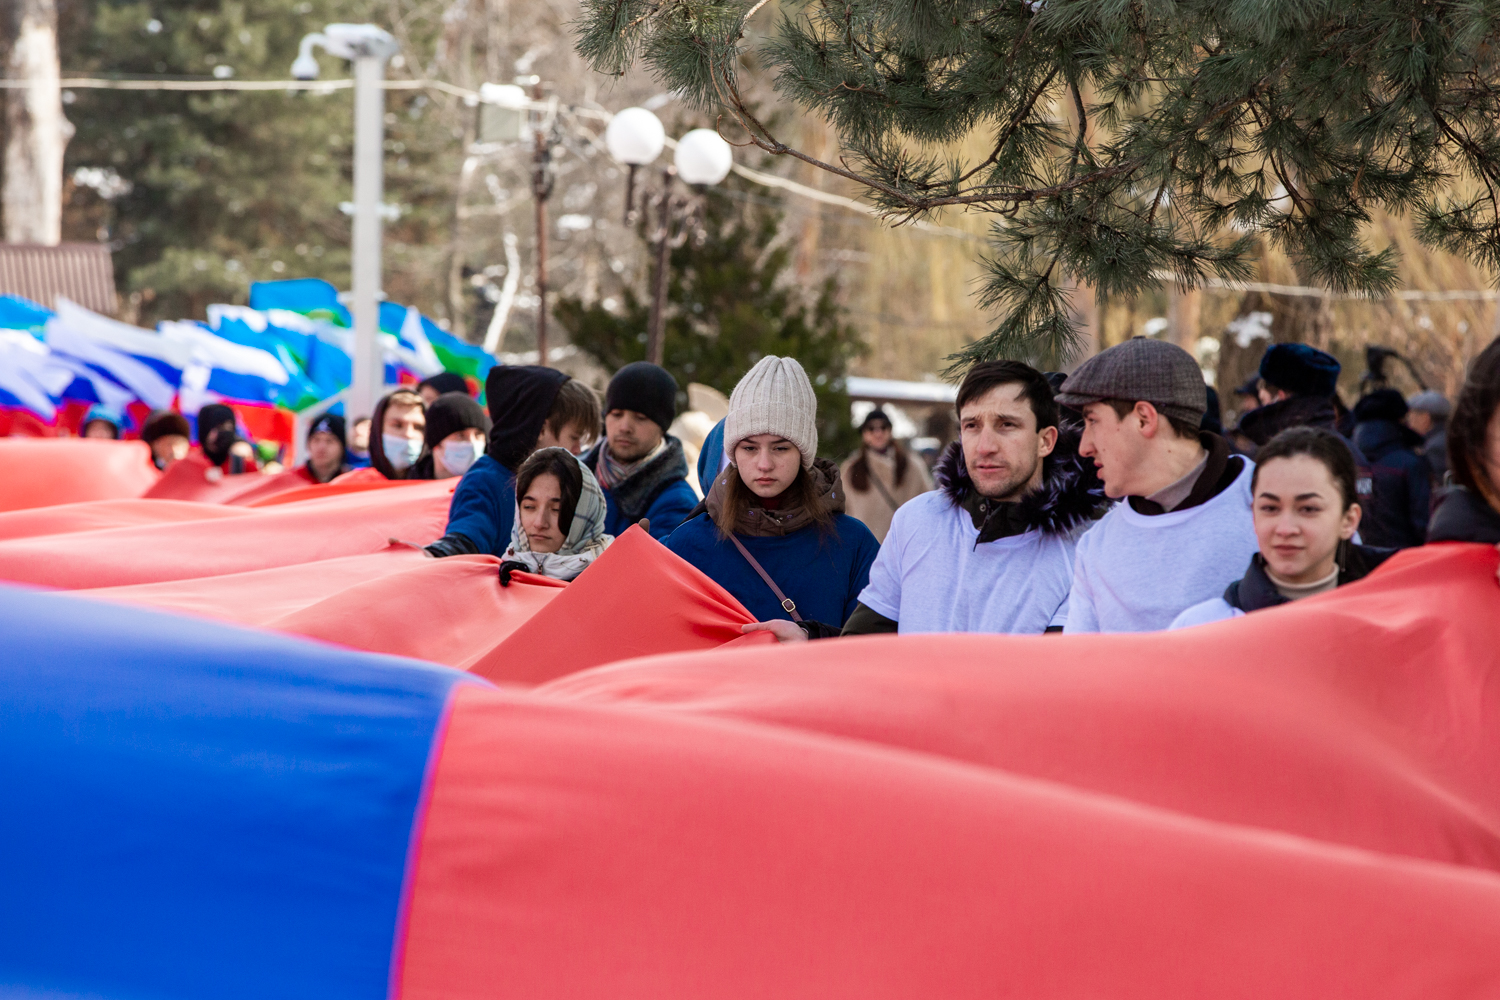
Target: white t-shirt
{"points": [[1137, 573], [1215, 610], [931, 577]]}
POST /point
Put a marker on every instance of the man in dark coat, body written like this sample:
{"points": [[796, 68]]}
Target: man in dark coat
{"points": [[641, 467], [1402, 478]]}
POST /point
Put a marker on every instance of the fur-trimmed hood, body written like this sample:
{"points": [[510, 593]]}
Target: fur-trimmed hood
{"points": [[1070, 493]]}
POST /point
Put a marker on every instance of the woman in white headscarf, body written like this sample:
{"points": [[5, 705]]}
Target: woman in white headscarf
{"points": [[559, 524]]}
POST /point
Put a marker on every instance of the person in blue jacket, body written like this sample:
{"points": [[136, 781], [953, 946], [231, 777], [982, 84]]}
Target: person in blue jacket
{"points": [[530, 407], [641, 467], [773, 531]]}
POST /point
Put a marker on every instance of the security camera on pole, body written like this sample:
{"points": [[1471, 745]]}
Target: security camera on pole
{"points": [[369, 47], [635, 138]]}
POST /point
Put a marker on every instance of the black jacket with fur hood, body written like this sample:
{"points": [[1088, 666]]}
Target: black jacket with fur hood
{"points": [[1070, 494]]}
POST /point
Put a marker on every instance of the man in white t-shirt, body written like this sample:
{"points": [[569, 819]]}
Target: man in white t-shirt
{"points": [[991, 550], [1184, 531]]}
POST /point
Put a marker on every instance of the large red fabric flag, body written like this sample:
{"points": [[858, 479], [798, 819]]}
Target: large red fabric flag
{"points": [[586, 851], [451, 611], [39, 472], [285, 535], [1367, 717], [96, 515], [636, 599]]}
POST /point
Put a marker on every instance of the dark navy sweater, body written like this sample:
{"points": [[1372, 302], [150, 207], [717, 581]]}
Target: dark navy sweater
{"points": [[484, 506], [822, 574]]}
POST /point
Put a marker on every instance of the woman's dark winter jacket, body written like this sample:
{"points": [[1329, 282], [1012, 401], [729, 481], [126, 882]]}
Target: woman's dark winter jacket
{"points": [[1402, 483], [1255, 590], [658, 491], [1464, 516], [822, 573]]}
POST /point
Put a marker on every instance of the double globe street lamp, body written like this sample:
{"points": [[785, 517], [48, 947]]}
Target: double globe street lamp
{"points": [[635, 138]]}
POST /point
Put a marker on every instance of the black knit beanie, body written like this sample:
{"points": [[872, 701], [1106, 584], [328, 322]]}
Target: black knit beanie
{"points": [[644, 388], [1382, 404], [444, 382], [452, 412], [330, 423]]}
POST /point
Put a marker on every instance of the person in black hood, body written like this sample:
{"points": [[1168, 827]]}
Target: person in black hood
{"points": [[1470, 510], [530, 407], [221, 442], [170, 437], [1402, 479], [991, 550], [1306, 515]]}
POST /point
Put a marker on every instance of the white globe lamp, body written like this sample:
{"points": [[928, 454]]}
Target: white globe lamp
{"points": [[703, 157], [635, 137]]}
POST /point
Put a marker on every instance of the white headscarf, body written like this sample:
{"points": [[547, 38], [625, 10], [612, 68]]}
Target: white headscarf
{"points": [[585, 541]]}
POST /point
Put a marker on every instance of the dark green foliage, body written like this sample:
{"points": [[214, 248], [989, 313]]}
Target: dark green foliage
{"points": [[1191, 126], [727, 311], [232, 187]]}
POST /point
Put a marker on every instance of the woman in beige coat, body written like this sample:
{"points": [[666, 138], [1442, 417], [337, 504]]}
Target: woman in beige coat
{"points": [[881, 476]]}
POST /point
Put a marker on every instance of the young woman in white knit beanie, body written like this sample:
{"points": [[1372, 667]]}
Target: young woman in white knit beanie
{"points": [[774, 532]]}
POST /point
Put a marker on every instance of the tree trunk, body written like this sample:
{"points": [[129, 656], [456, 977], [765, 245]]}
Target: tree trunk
{"points": [[35, 130]]}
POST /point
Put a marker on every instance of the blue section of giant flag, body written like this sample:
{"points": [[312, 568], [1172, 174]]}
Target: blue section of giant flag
{"points": [[195, 810]]}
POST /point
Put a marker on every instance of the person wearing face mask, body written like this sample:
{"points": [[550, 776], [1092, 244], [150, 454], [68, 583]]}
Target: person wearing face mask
{"points": [[559, 520], [531, 407], [170, 437], [221, 443], [882, 475], [773, 531], [1306, 514], [457, 427], [325, 450], [401, 419]]}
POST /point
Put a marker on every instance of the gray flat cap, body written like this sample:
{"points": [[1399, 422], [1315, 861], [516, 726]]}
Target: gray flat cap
{"points": [[1160, 373], [1431, 401]]}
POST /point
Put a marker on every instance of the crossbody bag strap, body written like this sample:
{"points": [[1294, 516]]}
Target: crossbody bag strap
{"points": [[786, 602], [880, 488]]}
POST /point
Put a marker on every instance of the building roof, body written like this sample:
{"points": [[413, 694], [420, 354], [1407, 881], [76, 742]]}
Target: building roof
{"points": [[83, 272]]}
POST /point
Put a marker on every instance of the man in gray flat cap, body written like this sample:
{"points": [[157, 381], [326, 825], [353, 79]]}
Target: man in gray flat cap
{"points": [[1184, 531]]}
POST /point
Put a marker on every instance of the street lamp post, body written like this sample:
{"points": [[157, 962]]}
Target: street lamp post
{"points": [[635, 138], [369, 47]]}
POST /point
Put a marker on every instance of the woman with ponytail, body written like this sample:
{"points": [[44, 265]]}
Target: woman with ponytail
{"points": [[772, 530]]}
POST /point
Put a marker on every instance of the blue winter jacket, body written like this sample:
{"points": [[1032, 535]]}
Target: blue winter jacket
{"points": [[711, 456], [484, 506], [822, 574], [658, 491]]}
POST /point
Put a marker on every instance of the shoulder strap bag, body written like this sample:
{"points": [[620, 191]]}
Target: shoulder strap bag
{"points": [[786, 602]]}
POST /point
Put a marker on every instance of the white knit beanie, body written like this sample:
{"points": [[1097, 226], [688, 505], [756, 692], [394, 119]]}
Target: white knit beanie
{"points": [[774, 397]]}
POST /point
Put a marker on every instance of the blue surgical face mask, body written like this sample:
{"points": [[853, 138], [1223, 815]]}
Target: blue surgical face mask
{"points": [[401, 452], [459, 455]]}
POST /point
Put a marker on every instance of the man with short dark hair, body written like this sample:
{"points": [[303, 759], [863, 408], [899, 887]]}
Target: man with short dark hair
{"points": [[641, 467], [991, 550], [1184, 532]]}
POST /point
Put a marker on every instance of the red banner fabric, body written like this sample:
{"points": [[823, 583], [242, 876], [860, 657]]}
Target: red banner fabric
{"points": [[287, 535], [619, 851], [636, 599], [40, 472], [399, 601], [1367, 717]]}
